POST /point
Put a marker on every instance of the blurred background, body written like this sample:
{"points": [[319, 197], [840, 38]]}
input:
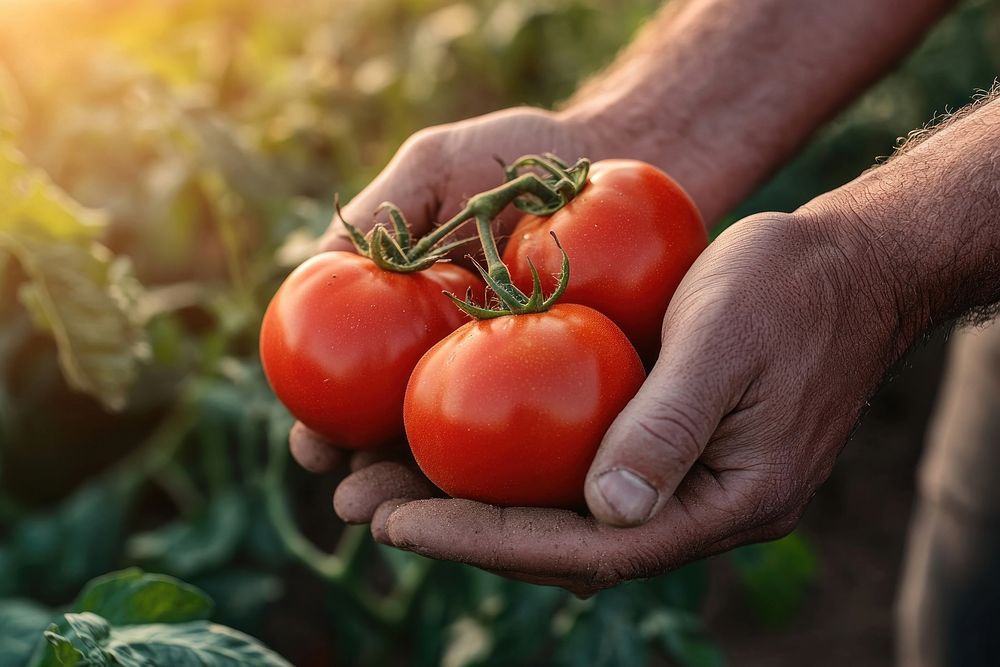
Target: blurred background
{"points": [[164, 164]]}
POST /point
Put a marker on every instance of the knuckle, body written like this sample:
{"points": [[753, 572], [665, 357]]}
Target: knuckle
{"points": [[780, 501], [781, 526], [675, 431], [423, 143], [603, 575], [637, 561]]}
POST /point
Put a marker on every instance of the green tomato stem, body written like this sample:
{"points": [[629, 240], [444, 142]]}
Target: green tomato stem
{"points": [[392, 249]]}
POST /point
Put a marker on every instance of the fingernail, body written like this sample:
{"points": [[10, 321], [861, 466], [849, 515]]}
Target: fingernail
{"points": [[628, 495]]}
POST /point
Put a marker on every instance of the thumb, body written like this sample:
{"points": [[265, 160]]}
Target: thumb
{"points": [[411, 181], [653, 443]]}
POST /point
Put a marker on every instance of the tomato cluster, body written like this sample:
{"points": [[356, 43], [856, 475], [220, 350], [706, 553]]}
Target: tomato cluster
{"points": [[341, 336], [511, 407]]}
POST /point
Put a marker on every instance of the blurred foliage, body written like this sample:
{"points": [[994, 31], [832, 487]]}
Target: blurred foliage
{"points": [[162, 165]]}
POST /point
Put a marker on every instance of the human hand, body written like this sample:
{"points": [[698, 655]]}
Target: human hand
{"points": [[771, 347], [429, 179]]}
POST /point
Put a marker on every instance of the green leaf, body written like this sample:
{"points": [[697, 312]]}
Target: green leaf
{"points": [[520, 619], [682, 636], [132, 597], [684, 589], [8, 571], [188, 547], [59, 551], [198, 643], [605, 635], [469, 642], [91, 640], [243, 594], [91, 629], [63, 651], [77, 290], [32, 201], [21, 625], [81, 296], [775, 576], [693, 650]]}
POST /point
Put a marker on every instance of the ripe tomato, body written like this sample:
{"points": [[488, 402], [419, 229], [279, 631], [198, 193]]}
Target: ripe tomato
{"points": [[341, 336], [631, 235], [511, 410]]}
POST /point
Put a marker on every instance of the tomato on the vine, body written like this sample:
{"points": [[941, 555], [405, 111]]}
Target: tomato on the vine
{"points": [[511, 410], [341, 336], [631, 234]]}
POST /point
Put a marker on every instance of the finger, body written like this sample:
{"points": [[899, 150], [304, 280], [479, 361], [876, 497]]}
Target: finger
{"points": [[660, 434], [380, 515], [366, 457], [311, 450], [412, 181], [555, 546], [360, 494]]}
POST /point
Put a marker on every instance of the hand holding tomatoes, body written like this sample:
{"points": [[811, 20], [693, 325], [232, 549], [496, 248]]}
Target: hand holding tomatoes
{"points": [[765, 366]]}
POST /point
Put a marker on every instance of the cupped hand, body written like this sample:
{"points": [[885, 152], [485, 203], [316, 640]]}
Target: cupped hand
{"points": [[429, 179], [771, 347]]}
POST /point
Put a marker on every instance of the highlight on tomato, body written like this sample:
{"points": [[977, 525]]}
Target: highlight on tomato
{"points": [[342, 334], [510, 409], [631, 233]]}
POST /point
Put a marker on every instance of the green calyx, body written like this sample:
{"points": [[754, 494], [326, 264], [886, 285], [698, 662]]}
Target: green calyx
{"points": [[512, 301], [392, 249], [535, 184], [391, 246], [532, 193]]}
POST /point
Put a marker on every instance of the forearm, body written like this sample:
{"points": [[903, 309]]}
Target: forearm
{"points": [[719, 92], [926, 225]]}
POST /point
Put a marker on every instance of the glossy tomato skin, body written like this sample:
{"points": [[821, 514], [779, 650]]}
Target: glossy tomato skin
{"points": [[631, 235], [511, 411], [340, 338]]}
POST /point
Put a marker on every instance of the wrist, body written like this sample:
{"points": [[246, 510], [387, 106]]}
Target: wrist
{"points": [[617, 128], [868, 268], [926, 222]]}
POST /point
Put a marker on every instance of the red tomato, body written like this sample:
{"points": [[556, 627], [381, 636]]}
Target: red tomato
{"points": [[631, 234], [511, 410], [341, 336]]}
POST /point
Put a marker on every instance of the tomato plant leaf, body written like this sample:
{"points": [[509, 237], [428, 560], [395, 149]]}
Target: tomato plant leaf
{"points": [[63, 651], [91, 640], [605, 634], [775, 576], [195, 643], [188, 547], [133, 596], [242, 595], [683, 589], [21, 625], [76, 290], [681, 634], [91, 520]]}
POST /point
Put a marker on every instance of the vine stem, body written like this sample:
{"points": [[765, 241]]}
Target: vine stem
{"points": [[488, 205], [334, 568]]}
